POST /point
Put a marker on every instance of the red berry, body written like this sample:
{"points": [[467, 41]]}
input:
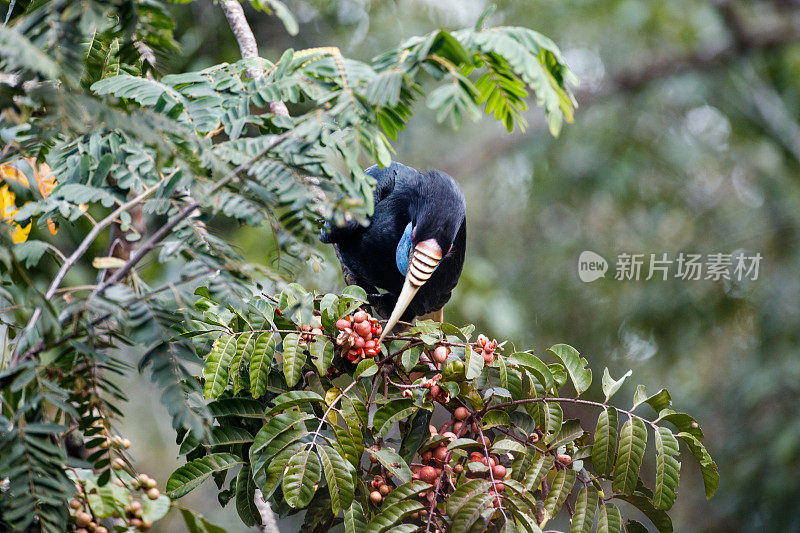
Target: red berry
{"points": [[362, 328], [499, 471], [440, 454], [374, 330], [461, 413], [427, 474], [435, 390]]}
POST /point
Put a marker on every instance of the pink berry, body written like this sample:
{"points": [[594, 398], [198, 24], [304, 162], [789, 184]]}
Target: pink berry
{"points": [[362, 328], [360, 316]]}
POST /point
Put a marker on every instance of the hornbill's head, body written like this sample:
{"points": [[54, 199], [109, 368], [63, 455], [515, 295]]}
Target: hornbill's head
{"points": [[437, 210]]}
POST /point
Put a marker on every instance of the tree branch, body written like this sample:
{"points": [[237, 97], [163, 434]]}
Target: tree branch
{"points": [[248, 46]]}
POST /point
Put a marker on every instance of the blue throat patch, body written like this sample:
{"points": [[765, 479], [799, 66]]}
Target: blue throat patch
{"points": [[403, 250]]}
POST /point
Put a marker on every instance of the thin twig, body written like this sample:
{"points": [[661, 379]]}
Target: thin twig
{"points": [[563, 400], [78, 253]]}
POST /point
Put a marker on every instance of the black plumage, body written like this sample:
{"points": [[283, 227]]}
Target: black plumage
{"points": [[434, 204]]}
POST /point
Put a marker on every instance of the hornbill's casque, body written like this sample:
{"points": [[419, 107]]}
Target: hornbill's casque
{"points": [[414, 245]]}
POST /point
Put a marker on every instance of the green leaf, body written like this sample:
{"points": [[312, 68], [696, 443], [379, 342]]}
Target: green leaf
{"points": [[275, 436], [301, 479], [292, 398], [682, 421], [473, 363], [465, 443], [559, 490], [575, 365], [494, 418], [238, 407], [410, 358], [470, 511], [534, 476], [245, 345], [365, 369], [632, 442], [355, 292], [658, 401], [708, 468], [659, 518], [585, 509], [405, 491], [321, 351], [229, 435], [610, 385], [261, 364], [667, 468], [604, 449], [294, 357], [195, 523], [392, 412], [508, 445], [394, 464], [534, 365], [610, 519], [392, 515], [570, 431], [153, 510], [415, 433], [632, 526], [354, 518], [339, 477], [245, 498], [464, 493], [192, 474], [284, 14], [218, 365]]}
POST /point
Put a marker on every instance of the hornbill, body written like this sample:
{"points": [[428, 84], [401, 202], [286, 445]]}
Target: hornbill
{"points": [[413, 247]]}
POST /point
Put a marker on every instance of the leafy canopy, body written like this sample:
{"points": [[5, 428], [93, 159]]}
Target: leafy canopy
{"points": [[111, 172]]}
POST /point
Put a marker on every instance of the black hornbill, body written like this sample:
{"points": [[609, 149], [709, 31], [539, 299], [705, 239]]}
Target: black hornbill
{"points": [[414, 245]]}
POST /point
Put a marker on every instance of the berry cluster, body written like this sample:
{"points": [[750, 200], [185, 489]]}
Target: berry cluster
{"points": [[381, 488], [437, 461], [84, 521], [487, 348], [358, 336]]}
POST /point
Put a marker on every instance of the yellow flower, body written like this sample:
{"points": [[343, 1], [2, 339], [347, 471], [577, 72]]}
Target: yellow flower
{"points": [[45, 182], [8, 208]]}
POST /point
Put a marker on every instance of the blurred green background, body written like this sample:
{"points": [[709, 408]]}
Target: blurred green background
{"points": [[686, 140]]}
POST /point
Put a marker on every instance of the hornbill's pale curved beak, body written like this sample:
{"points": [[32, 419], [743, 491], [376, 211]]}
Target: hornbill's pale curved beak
{"points": [[424, 260]]}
